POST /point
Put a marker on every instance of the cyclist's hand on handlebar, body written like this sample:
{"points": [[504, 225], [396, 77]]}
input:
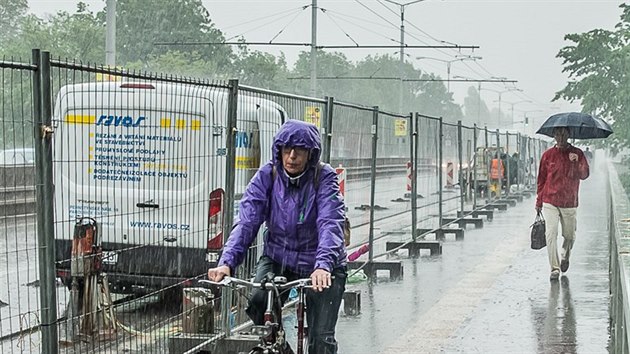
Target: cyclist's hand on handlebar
{"points": [[320, 279], [217, 274]]}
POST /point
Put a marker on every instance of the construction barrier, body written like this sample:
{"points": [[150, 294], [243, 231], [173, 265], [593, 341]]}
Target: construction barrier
{"points": [[341, 177], [449, 175], [409, 176]]}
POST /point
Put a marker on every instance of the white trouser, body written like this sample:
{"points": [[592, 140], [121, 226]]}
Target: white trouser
{"points": [[566, 217]]}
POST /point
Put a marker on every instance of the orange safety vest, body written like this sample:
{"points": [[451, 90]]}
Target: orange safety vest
{"points": [[496, 169]]}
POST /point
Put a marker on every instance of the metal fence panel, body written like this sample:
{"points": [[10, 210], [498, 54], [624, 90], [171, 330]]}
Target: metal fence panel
{"points": [[392, 206], [19, 298], [450, 169], [429, 170], [139, 165], [351, 151], [468, 149]]}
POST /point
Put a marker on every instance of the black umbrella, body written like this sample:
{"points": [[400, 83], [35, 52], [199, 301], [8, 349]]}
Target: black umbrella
{"points": [[580, 125]]}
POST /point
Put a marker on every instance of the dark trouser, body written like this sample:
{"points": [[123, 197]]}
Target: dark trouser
{"points": [[322, 309]]}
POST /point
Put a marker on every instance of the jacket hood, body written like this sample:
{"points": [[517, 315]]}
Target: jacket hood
{"points": [[298, 133]]}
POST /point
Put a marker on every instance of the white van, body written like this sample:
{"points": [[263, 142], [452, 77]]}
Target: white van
{"points": [[147, 162]]}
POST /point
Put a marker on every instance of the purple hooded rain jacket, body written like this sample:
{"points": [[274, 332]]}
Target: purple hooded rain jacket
{"points": [[304, 225]]}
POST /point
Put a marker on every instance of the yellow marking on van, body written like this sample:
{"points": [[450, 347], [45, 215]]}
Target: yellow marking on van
{"points": [[91, 135], [90, 170], [195, 124], [91, 148], [165, 122], [180, 124], [90, 157], [80, 119]]}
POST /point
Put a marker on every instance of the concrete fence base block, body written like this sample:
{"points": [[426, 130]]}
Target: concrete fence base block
{"points": [[352, 302], [435, 247], [395, 268]]}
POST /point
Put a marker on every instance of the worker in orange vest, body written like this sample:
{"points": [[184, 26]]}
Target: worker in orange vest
{"points": [[496, 176], [496, 169]]}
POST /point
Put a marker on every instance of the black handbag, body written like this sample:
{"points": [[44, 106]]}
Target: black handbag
{"points": [[538, 232]]}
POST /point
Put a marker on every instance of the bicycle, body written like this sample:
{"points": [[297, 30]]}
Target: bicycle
{"points": [[272, 334]]}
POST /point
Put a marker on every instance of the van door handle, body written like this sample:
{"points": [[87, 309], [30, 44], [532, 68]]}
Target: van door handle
{"points": [[147, 205]]}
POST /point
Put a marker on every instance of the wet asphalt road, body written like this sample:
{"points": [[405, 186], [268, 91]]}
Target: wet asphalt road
{"points": [[490, 293]]}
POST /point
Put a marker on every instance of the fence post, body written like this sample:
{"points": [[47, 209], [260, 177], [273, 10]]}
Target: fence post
{"points": [[529, 163], [519, 160], [42, 133], [328, 128], [440, 179], [536, 160], [460, 153], [230, 176], [487, 157], [413, 142], [498, 134], [508, 160], [474, 169], [373, 180]]}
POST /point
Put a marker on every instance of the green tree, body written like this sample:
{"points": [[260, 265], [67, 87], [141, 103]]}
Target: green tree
{"points": [[597, 64], [12, 12], [328, 64], [177, 63], [142, 24], [256, 68], [475, 109], [78, 35]]}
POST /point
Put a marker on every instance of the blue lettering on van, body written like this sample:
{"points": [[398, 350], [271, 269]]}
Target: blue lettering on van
{"points": [[125, 121], [244, 140]]}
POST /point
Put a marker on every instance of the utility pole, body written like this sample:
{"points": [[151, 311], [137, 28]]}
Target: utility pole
{"points": [[110, 41], [314, 48], [401, 65], [479, 103], [402, 48]]}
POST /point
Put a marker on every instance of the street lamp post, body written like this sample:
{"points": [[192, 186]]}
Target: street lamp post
{"points": [[448, 66], [479, 81], [512, 104], [402, 45], [526, 119], [501, 93]]}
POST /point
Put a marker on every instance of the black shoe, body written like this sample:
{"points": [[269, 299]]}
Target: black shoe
{"points": [[564, 265]]}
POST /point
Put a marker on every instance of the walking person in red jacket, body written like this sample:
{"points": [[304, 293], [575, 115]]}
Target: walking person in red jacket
{"points": [[561, 169]]}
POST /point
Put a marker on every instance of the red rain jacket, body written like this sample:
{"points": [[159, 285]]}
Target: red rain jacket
{"points": [[559, 178]]}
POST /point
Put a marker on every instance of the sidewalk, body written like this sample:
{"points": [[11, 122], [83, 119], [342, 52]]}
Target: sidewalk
{"points": [[490, 293]]}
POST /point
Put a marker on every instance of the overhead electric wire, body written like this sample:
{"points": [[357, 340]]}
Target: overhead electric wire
{"points": [[376, 13], [267, 17], [341, 29], [341, 14], [411, 34], [258, 27], [387, 7], [285, 27], [333, 14]]}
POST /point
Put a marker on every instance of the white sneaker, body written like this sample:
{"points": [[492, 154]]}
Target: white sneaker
{"points": [[554, 275]]}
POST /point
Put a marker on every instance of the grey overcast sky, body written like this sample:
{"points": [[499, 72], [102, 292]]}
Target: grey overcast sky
{"points": [[518, 39]]}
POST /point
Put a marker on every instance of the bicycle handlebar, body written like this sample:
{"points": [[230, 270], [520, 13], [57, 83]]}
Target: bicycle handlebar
{"points": [[228, 281]]}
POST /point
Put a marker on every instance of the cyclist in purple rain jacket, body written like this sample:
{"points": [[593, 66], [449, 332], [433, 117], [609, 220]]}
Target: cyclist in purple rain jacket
{"points": [[304, 236]]}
